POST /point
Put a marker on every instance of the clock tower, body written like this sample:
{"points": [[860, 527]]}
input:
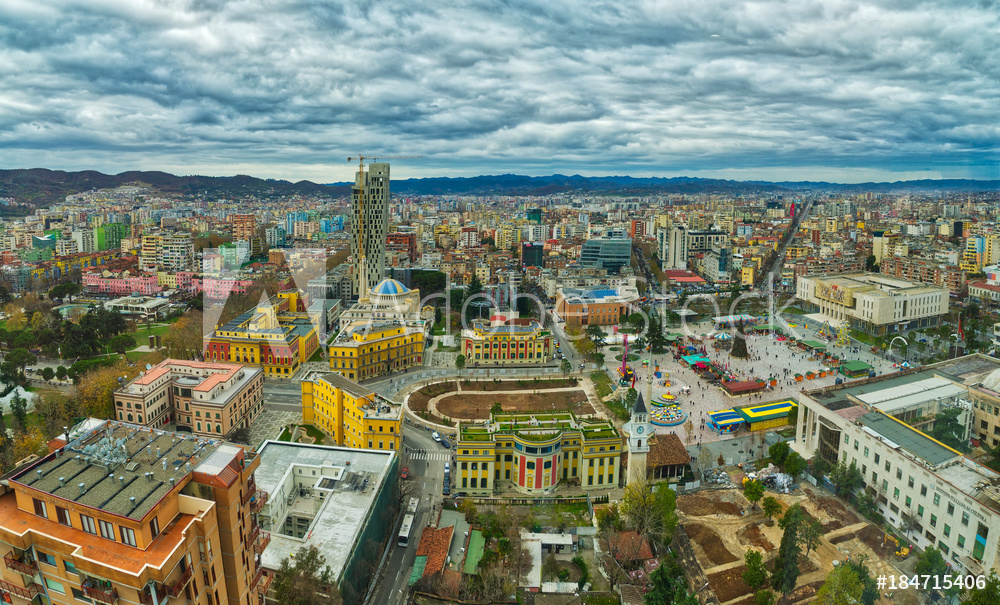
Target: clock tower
{"points": [[639, 432]]}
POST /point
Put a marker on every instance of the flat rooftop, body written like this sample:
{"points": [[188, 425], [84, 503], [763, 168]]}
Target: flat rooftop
{"points": [[904, 437], [377, 406], [125, 469], [351, 480]]}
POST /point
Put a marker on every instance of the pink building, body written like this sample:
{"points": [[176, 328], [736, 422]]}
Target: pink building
{"points": [[120, 285]]}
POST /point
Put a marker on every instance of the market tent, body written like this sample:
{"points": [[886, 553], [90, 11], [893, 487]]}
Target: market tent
{"points": [[814, 344], [854, 368]]}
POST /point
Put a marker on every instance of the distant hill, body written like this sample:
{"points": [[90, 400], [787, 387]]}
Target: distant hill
{"points": [[41, 187]]}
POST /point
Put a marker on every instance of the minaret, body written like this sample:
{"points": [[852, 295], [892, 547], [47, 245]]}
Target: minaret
{"points": [[638, 441]]}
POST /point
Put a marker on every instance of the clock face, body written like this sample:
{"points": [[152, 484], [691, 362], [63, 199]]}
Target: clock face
{"points": [[638, 429]]}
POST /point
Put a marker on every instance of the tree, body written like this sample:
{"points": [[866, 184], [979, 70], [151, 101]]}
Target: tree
{"points": [[12, 368], [820, 468], [96, 387], [869, 594], [810, 533], [654, 335], [739, 349], [948, 430], [48, 373], [301, 582], [771, 507], [986, 595], [240, 435], [755, 574], [565, 366], [931, 562], [754, 491], [794, 464], [61, 372], [596, 335], [845, 478], [778, 452], [636, 321], [785, 572], [122, 343], [842, 587], [689, 432], [870, 265], [19, 410], [763, 597], [460, 362], [668, 586]]}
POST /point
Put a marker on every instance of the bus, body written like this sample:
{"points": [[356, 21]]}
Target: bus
{"points": [[411, 508], [404, 531]]}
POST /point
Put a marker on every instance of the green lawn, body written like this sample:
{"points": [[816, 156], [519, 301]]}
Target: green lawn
{"points": [[868, 339], [142, 334], [315, 433], [285, 435], [317, 356], [602, 383]]}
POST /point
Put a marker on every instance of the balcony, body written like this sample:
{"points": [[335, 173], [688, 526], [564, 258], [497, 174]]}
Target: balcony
{"points": [[258, 501], [24, 564], [254, 532], [177, 587], [265, 583], [28, 592], [256, 577], [101, 594], [249, 492], [147, 599], [265, 539]]}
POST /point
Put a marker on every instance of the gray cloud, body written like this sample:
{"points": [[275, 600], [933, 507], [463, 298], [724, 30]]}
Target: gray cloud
{"points": [[289, 89]]}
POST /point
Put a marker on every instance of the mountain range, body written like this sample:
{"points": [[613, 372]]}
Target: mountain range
{"points": [[40, 187]]}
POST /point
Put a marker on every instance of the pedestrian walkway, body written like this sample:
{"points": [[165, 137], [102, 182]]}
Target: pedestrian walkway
{"points": [[269, 424], [441, 456]]}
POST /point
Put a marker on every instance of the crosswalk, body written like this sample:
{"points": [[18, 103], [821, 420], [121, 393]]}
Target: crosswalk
{"points": [[442, 456]]}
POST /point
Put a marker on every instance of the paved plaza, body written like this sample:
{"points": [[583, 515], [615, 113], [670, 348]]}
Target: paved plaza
{"points": [[769, 358], [269, 424]]}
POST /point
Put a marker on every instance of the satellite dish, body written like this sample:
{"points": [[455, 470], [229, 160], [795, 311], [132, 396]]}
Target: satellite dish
{"points": [[149, 367]]}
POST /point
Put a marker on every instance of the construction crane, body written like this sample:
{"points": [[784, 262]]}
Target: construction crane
{"points": [[361, 263]]}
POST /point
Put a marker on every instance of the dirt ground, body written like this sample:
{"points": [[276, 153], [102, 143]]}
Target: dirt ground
{"points": [[721, 536], [728, 584], [728, 502], [418, 400], [477, 405], [752, 536], [710, 544], [518, 385]]}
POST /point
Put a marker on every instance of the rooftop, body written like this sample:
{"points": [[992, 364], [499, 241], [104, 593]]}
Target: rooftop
{"points": [[126, 469], [350, 481], [900, 435], [377, 406]]}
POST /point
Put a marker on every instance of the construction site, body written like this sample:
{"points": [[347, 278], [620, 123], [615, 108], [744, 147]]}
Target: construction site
{"points": [[718, 526]]}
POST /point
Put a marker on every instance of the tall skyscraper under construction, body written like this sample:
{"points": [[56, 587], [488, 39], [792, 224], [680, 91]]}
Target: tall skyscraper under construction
{"points": [[370, 225]]}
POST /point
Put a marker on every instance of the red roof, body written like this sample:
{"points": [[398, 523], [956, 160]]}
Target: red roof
{"points": [[629, 546], [434, 544], [985, 286], [745, 386]]}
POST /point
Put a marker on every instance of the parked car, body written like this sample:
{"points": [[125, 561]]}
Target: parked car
{"points": [[405, 474], [446, 444], [436, 436], [447, 467], [446, 490]]}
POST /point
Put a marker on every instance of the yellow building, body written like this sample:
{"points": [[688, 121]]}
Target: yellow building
{"points": [[507, 340], [746, 274], [353, 415], [376, 349], [278, 337], [535, 453]]}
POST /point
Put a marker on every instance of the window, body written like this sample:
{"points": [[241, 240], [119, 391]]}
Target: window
{"points": [[88, 524], [874, 478], [877, 458], [866, 451], [465, 465], [128, 536], [920, 510], [951, 508], [46, 558], [899, 474], [947, 530], [923, 490], [944, 547], [40, 508], [107, 530], [154, 527], [909, 482], [531, 466], [475, 466], [888, 465], [965, 518], [885, 484], [63, 515], [895, 493], [70, 567], [937, 499], [961, 541], [909, 502], [55, 586], [933, 520]]}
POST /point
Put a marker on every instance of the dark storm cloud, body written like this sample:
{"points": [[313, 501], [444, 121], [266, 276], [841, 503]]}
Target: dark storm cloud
{"points": [[286, 88]]}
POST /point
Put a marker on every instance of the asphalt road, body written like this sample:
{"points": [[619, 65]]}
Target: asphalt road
{"points": [[425, 481]]}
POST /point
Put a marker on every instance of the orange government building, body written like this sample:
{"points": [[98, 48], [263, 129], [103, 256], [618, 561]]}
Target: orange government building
{"points": [[507, 340], [121, 513], [603, 307], [277, 336]]}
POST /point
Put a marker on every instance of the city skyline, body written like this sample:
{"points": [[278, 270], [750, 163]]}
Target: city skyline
{"points": [[759, 91]]}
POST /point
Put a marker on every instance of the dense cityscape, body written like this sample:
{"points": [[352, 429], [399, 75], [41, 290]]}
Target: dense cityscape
{"points": [[389, 397]]}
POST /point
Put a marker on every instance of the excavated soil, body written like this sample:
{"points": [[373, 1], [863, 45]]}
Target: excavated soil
{"points": [[873, 537], [710, 544], [752, 536], [843, 538], [703, 505], [518, 385], [804, 592], [729, 584], [477, 405]]}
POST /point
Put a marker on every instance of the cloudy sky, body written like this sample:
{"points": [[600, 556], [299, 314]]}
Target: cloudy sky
{"points": [[800, 89]]}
